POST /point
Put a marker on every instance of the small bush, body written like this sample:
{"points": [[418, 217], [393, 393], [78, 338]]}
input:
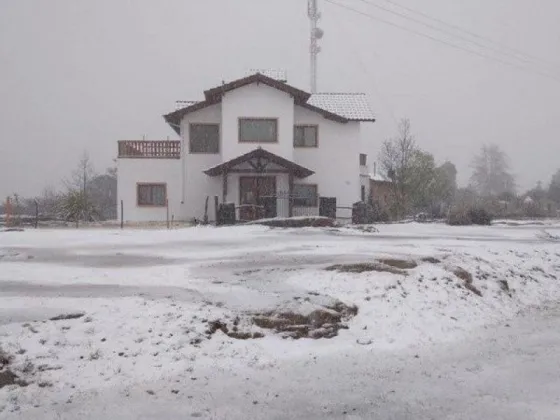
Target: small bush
{"points": [[469, 216], [480, 216], [377, 213]]}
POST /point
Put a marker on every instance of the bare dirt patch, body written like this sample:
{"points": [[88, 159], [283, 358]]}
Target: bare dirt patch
{"points": [[467, 279], [320, 323], [295, 319], [398, 263], [365, 267], [63, 317], [430, 260], [219, 325], [7, 377], [5, 358]]}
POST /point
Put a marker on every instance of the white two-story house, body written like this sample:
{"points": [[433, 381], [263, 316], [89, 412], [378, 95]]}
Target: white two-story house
{"points": [[257, 142]]}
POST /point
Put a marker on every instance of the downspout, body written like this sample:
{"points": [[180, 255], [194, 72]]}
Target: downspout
{"points": [[183, 169]]}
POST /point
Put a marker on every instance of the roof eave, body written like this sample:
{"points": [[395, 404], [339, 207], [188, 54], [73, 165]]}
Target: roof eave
{"points": [[327, 114], [362, 119], [298, 170]]}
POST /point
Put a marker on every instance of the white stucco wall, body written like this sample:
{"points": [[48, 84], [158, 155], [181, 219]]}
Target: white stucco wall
{"points": [[257, 101], [336, 162], [197, 185], [133, 171]]}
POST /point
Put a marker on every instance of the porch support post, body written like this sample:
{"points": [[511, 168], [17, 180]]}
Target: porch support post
{"points": [[224, 186], [290, 192]]}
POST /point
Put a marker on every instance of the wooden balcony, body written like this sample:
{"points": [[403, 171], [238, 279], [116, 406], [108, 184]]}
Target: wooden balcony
{"points": [[149, 149]]}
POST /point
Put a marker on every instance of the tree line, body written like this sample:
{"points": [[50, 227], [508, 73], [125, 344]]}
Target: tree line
{"points": [[419, 185], [85, 196]]}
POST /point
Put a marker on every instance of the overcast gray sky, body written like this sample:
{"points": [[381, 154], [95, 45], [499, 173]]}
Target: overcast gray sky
{"points": [[80, 75]]}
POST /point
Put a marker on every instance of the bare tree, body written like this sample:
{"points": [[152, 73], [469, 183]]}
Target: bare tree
{"points": [[49, 203], [76, 203], [554, 188], [491, 175], [396, 157], [102, 192]]}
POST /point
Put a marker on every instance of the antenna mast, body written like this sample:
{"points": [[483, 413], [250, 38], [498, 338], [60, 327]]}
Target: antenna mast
{"points": [[316, 34]]}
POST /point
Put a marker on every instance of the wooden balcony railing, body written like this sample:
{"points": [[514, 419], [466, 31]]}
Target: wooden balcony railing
{"points": [[149, 149]]}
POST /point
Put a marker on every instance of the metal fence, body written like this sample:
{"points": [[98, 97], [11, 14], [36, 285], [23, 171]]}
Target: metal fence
{"points": [[278, 205]]}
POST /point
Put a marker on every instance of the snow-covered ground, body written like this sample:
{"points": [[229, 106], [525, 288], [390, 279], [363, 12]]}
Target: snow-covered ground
{"points": [[147, 299]]}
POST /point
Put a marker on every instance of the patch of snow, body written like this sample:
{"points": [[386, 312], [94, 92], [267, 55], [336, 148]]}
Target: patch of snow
{"points": [[148, 296]]}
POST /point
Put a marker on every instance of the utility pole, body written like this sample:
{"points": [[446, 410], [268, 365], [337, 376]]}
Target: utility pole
{"points": [[316, 34]]}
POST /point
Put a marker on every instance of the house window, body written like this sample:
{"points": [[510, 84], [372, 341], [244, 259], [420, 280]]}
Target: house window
{"points": [[152, 195], [305, 195], [363, 159], [305, 136], [204, 138], [258, 130], [363, 191]]}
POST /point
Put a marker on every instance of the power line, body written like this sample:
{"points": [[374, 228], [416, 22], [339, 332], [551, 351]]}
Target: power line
{"points": [[432, 38], [448, 32], [471, 33]]}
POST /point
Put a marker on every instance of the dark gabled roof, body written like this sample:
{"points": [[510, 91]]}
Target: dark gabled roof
{"points": [[298, 170], [215, 94]]}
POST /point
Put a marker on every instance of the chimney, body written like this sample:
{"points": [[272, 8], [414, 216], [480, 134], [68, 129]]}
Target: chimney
{"points": [[374, 168]]}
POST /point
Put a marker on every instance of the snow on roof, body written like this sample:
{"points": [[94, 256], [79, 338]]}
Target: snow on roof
{"points": [[379, 178], [184, 104], [353, 106], [276, 74]]}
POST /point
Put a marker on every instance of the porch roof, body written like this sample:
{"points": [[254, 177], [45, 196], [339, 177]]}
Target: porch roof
{"points": [[259, 159]]}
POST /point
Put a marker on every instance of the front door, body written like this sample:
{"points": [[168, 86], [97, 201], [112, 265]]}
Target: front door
{"points": [[257, 197]]}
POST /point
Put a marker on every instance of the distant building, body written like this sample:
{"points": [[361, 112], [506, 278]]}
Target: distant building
{"points": [[381, 190]]}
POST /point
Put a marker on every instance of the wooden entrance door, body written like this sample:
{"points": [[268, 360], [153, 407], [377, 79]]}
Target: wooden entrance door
{"points": [[257, 197]]}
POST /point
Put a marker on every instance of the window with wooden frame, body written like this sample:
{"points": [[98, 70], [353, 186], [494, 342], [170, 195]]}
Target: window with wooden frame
{"points": [[258, 130], [306, 135], [204, 138], [151, 195], [305, 195], [363, 159]]}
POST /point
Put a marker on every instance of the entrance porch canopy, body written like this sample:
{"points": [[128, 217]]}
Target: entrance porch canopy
{"points": [[259, 161]]}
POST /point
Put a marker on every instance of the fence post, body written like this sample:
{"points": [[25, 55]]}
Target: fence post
{"points": [[205, 220], [216, 206], [36, 214], [122, 215], [8, 212], [167, 212]]}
